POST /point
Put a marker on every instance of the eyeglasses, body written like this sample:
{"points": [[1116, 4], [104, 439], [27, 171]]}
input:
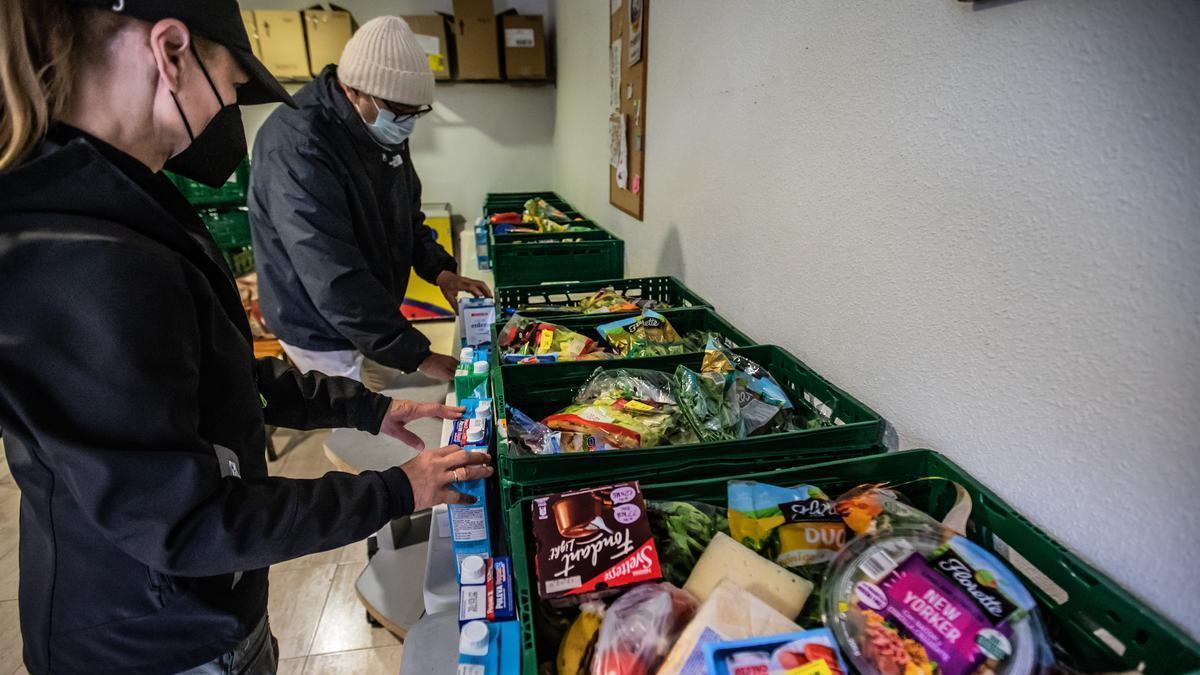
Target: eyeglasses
{"points": [[403, 112]]}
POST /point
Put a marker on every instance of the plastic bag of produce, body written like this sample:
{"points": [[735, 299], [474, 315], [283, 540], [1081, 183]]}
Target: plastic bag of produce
{"points": [[765, 406], [681, 532], [546, 217], [539, 439], [649, 327], [522, 337], [797, 527], [610, 301], [709, 404], [640, 627], [625, 408], [872, 508]]}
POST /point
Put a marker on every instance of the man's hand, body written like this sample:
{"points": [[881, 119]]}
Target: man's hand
{"points": [[451, 284], [402, 412], [439, 367], [431, 474]]}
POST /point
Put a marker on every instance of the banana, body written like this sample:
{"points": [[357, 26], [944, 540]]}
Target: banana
{"points": [[575, 651]]}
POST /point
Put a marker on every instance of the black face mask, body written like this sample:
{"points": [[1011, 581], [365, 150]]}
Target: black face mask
{"points": [[216, 153]]}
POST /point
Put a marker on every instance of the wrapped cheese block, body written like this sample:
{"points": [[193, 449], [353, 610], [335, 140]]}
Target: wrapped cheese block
{"points": [[727, 559], [729, 613]]}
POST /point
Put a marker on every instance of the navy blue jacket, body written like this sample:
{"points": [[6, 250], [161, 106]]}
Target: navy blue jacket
{"points": [[133, 425], [337, 225]]}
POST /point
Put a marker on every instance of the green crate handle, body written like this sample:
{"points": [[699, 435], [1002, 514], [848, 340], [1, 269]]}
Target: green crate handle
{"points": [[664, 288]]}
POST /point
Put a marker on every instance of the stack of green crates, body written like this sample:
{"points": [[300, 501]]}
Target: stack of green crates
{"points": [[545, 257], [223, 211]]}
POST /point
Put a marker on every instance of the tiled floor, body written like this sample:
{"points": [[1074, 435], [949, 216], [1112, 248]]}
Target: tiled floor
{"points": [[315, 614]]}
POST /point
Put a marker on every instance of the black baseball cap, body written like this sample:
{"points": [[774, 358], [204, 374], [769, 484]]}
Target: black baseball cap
{"points": [[217, 20]]}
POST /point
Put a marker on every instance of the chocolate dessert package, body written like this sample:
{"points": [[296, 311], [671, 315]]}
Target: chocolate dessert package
{"points": [[591, 543]]}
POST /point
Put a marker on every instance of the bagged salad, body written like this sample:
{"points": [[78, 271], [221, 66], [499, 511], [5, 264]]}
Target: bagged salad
{"points": [[709, 404], [796, 527], [765, 406], [624, 408], [524, 340], [650, 327], [610, 301], [681, 532]]}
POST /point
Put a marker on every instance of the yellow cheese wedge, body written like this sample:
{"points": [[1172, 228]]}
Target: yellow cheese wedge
{"points": [[725, 558]]}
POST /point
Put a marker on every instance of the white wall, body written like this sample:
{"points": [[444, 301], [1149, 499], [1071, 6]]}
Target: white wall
{"points": [[984, 222], [479, 137]]}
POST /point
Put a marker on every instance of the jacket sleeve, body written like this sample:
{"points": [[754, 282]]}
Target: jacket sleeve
{"points": [[429, 258], [306, 204], [312, 400], [112, 392]]}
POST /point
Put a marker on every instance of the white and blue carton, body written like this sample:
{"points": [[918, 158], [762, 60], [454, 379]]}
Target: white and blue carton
{"points": [[489, 648], [469, 530], [475, 319]]}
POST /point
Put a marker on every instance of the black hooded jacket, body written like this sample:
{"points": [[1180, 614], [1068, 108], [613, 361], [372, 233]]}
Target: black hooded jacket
{"points": [[337, 225], [133, 414]]}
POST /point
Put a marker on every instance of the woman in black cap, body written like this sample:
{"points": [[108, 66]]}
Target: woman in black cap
{"points": [[132, 407]]}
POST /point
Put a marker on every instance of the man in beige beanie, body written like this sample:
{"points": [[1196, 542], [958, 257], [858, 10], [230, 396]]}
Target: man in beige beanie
{"points": [[335, 211]]}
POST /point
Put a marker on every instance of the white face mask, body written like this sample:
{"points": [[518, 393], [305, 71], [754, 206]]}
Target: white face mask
{"points": [[386, 129]]}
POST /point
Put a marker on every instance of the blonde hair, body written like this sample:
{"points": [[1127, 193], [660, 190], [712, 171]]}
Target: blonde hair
{"points": [[42, 43]]}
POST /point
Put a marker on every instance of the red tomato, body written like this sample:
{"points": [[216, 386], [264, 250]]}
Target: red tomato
{"points": [[619, 663]]}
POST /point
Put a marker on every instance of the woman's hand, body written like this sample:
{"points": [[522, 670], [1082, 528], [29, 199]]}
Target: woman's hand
{"points": [[431, 474], [403, 412]]}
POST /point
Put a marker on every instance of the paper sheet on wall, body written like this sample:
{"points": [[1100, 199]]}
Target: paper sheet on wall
{"points": [[614, 140], [623, 155], [614, 76], [635, 32]]}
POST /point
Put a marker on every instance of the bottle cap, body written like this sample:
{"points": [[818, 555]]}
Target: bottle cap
{"points": [[484, 409], [467, 355], [474, 639], [474, 433], [481, 367], [473, 570]]}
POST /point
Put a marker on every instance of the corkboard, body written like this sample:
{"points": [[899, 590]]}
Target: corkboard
{"points": [[632, 103]]}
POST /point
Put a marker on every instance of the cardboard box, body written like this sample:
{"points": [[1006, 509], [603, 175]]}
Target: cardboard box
{"points": [[431, 33], [252, 33], [476, 8], [281, 40], [327, 33], [476, 40], [524, 47]]}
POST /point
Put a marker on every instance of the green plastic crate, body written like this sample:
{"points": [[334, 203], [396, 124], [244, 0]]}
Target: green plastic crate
{"points": [[519, 207], [594, 232], [1080, 605], [543, 390], [663, 289], [240, 260], [597, 255], [230, 228], [519, 196], [683, 320], [232, 193]]}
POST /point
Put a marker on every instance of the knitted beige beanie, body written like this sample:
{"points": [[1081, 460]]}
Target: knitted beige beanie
{"points": [[385, 60]]}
